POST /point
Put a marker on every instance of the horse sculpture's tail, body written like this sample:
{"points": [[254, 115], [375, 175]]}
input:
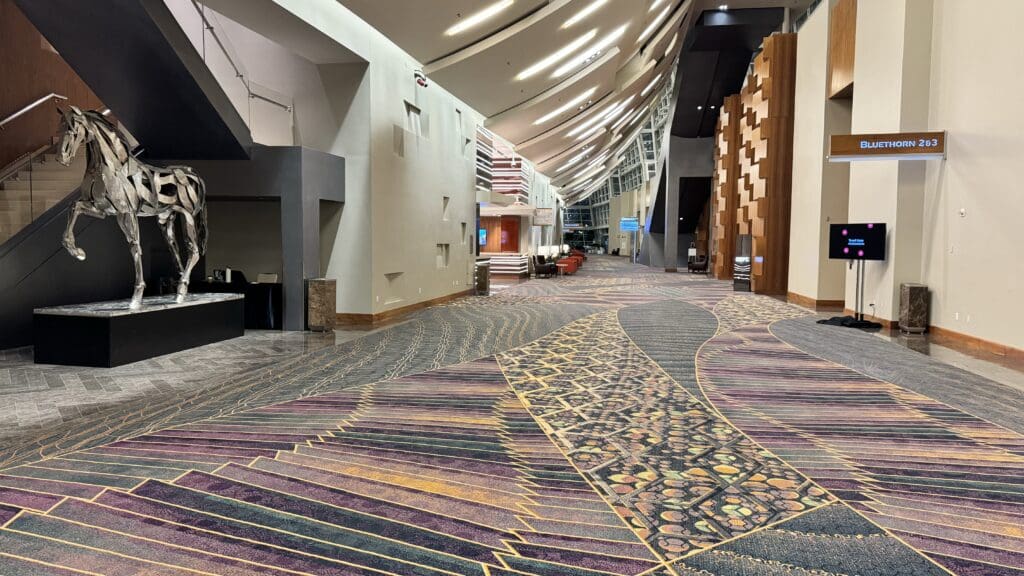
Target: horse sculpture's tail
{"points": [[201, 215]]}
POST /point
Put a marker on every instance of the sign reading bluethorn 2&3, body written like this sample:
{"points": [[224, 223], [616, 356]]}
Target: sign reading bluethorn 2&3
{"points": [[629, 225], [899, 146]]}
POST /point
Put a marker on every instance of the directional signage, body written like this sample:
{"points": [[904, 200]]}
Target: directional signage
{"points": [[895, 146], [629, 225]]}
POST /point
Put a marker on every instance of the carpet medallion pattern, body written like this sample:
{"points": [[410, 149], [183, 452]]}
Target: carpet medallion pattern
{"points": [[683, 477]]}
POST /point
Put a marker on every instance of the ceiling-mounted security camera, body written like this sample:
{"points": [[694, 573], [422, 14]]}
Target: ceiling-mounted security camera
{"points": [[421, 78]]}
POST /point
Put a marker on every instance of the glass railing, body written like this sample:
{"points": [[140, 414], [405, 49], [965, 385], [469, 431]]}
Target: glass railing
{"points": [[32, 185], [267, 113]]}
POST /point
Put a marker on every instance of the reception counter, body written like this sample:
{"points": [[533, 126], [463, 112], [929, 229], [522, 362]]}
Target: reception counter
{"points": [[509, 265]]}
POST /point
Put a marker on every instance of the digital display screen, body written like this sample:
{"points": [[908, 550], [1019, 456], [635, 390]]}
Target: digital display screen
{"points": [[856, 242], [483, 237]]}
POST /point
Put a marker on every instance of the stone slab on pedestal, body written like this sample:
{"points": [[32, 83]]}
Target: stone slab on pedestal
{"points": [[108, 334], [321, 304]]}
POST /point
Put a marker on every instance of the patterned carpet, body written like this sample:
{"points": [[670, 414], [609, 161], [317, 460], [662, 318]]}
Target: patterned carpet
{"points": [[619, 421]]}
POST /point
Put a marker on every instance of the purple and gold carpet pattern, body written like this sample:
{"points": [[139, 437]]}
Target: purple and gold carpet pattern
{"points": [[947, 483], [443, 472], [683, 477], [706, 447]]}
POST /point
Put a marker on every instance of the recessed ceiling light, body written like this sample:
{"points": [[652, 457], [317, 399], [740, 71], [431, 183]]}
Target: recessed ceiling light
{"points": [[480, 17], [723, 7], [712, 106], [650, 86], [700, 107], [565, 107], [557, 56], [653, 25], [584, 13], [590, 52]]}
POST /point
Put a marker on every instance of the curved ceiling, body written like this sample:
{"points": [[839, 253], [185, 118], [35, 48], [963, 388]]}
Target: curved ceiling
{"points": [[559, 79]]}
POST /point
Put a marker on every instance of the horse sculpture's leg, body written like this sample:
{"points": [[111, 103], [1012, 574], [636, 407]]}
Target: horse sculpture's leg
{"points": [[130, 226], [192, 241], [167, 224], [69, 233]]}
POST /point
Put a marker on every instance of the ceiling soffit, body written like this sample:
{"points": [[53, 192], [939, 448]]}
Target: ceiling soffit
{"points": [[535, 78]]}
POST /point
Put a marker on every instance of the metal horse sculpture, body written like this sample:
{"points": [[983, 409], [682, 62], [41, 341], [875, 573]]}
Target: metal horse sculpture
{"points": [[118, 184]]}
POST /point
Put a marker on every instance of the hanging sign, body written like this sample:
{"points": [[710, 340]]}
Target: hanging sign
{"points": [[897, 146], [544, 217], [629, 225]]}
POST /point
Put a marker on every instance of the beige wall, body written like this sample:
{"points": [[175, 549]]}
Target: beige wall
{"points": [[973, 262], [892, 59], [921, 65], [820, 188]]}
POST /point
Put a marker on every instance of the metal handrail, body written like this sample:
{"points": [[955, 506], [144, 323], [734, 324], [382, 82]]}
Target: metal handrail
{"points": [[35, 104]]}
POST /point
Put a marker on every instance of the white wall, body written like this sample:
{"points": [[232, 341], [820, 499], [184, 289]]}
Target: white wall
{"points": [[973, 263], [382, 244]]}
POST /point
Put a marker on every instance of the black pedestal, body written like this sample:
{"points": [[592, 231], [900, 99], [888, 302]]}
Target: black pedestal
{"points": [[107, 334]]}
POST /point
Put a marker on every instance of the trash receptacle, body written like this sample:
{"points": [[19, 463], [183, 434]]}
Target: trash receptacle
{"points": [[483, 277], [914, 307]]}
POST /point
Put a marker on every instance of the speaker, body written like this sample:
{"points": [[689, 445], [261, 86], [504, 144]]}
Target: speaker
{"points": [[914, 303]]}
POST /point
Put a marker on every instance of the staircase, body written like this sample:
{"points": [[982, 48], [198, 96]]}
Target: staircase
{"points": [[34, 188]]}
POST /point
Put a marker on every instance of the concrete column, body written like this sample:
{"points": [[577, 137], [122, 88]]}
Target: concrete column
{"points": [[671, 223]]}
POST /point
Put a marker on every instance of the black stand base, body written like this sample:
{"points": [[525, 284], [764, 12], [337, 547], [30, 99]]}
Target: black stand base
{"points": [[108, 334], [852, 322]]}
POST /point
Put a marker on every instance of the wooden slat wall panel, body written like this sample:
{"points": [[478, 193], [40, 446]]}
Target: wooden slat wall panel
{"points": [[724, 185], [842, 33], [765, 162], [29, 70]]}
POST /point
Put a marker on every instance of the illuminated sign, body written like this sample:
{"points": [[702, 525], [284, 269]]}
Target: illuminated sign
{"points": [[629, 224], [897, 146]]}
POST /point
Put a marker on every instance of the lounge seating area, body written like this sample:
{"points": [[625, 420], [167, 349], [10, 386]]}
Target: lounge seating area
{"points": [[557, 260]]}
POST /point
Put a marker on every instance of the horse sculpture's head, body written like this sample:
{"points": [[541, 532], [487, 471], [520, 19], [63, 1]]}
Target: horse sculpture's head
{"points": [[73, 125]]}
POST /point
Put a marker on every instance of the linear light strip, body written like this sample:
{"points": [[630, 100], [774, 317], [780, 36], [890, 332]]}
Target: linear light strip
{"points": [[582, 14], [575, 159], [604, 113], [565, 107], [590, 52], [557, 56], [653, 25], [608, 118], [650, 86], [479, 17]]}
